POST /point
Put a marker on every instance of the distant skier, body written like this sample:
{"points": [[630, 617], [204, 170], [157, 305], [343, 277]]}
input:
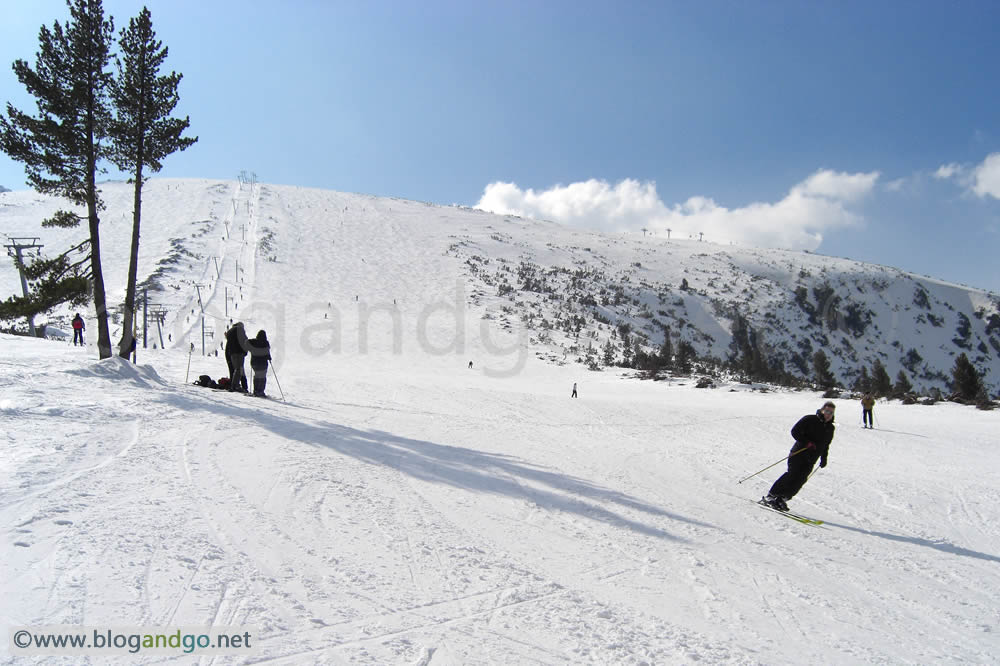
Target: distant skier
{"points": [[260, 354], [574, 390], [867, 403], [78, 328], [813, 434], [236, 352], [470, 365]]}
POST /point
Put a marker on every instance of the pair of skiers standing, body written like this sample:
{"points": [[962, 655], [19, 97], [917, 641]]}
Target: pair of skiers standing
{"points": [[237, 347]]}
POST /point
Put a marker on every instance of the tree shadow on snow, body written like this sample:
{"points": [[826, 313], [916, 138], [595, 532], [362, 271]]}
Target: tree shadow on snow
{"points": [[454, 466], [943, 546]]}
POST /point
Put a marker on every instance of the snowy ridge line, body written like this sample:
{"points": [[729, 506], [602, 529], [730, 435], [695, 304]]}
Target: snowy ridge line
{"points": [[853, 313]]}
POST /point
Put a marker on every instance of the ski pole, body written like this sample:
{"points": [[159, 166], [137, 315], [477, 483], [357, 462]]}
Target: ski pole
{"points": [[773, 464], [275, 373], [187, 375]]}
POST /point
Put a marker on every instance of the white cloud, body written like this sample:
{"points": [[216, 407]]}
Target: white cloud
{"points": [[798, 221], [838, 186], [895, 185], [982, 180], [948, 171], [593, 203], [986, 177]]}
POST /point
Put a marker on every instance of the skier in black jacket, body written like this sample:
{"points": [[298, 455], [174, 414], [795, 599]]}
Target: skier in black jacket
{"points": [[260, 354], [813, 434], [236, 352]]}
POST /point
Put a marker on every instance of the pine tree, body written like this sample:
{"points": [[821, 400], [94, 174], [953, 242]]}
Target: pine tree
{"points": [[740, 348], [966, 380], [881, 383], [666, 353], [627, 353], [740, 343], [756, 363], [142, 132], [685, 356], [644, 361], [776, 372], [609, 354], [864, 382], [53, 282], [62, 147], [759, 368], [903, 385], [624, 332], [821, 365]]}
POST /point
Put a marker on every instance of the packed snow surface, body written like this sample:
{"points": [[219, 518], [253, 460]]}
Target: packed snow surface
{"points": [[400, 507]]}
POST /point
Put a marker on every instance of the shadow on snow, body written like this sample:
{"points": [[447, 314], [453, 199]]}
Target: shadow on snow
{"points": [[458, 467], [943, 546]]}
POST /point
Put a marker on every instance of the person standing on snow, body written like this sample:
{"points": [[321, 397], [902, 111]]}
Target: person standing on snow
{"points": [[260, 354], [236, 351], [813, 434], [867, 402], [574, 390], [78, 329]]}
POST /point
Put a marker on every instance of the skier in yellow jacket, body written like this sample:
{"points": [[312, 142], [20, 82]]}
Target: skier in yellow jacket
{"points": [[867, 402]]}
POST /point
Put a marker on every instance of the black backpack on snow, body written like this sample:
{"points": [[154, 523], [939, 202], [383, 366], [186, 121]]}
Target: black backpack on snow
{"points": [[206, 381]]}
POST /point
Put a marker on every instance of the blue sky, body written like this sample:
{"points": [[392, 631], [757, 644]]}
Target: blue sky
{"points": [[859, 129]]}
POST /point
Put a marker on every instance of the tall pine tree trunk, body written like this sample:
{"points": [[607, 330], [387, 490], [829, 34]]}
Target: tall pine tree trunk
{"points": [[125, 347], [100, 301]]}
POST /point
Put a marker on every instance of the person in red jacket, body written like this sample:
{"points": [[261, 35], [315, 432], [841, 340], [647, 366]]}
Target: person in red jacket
{"points": [[78, 329], [813, 434]]}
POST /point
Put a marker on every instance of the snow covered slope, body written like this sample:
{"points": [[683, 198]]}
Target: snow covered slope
{"points": [[402, 266], [402, 507]]}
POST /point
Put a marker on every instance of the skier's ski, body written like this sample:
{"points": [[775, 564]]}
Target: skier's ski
{"points": [[793, 516]]}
